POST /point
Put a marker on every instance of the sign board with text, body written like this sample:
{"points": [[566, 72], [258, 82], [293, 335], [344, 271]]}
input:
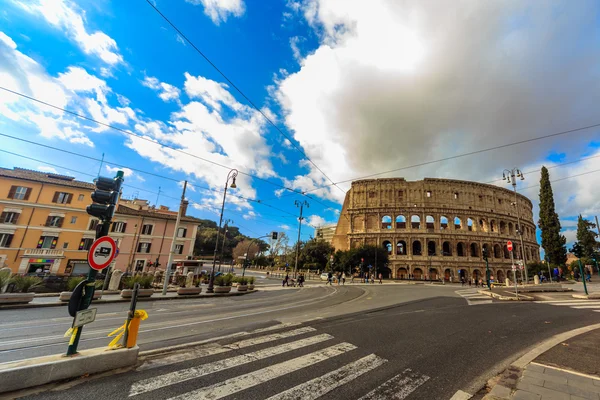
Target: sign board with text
{"points": [[84, 317]]}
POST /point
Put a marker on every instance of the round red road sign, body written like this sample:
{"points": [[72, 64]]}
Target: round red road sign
{"points": [[509, 245], [102, 253]]}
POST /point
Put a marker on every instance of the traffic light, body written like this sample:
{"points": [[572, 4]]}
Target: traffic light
{"points": [[485, 253], [274, 235], [105, 197]]}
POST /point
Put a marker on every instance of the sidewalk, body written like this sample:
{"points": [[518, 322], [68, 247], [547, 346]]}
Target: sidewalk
{"points": [[569, 370]]}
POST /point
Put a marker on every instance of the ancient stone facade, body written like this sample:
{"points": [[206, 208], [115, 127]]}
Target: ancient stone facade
{"points": [[437, 228]]}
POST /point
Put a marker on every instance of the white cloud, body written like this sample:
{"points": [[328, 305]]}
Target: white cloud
{"points": [[294, 41], [210, 92], [180, 39], [285, 227], [189, 186], [127, 173], [219, 10], [249, 215], [62, 15], [46, 168], [316, 221], [167, 92], [7, 41]]}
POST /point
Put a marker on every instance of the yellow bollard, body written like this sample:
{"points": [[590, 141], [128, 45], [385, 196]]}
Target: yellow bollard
{"points": [[132, 330]]}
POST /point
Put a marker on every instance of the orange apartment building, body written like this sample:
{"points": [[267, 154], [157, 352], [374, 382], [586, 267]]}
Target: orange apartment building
{"points": [[44, 227]]}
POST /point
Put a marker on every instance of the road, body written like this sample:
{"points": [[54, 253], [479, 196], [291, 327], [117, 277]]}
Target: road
{"points": [[416, 341]]}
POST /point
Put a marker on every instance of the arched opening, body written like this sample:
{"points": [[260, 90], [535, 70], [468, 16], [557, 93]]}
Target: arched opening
{"points": [[431, 248], [497, 251], [386, 222], [416, 248], [371, 222], [401, 248], [430, 222], [476, 275], [447, 275], [400, 222], [417, 274], [463, 274], [460, 249], [457, 223], [485, 250], [483, 225], [470, 225], [415, 222], [433, 274], [402, 273], [506, 253], [502, 227], [443, 222], [446, 249], [500, 277], [474, 250], [492, 226], [358, 223], [528, 252], [510, 229], [385, 272], [388, 246]]}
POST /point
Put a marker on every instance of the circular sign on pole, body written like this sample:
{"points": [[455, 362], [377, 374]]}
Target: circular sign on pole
{"points": [[514, 267], [509, 245], [102, 253]]}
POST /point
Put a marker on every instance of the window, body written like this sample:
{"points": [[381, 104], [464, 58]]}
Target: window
{"points": [[93, 224], [178, 249], [480, 198], [81, 197], [73, 220], [54, 221], [9, 217], [62, 198], [85, 244], [5, 239], [400, 195], [428, 193], [19, 193], [144, 247], [499, 201], [47, 242], [65, 245], [147, 229], [371, 194], [119, 227], [181, 232], [455, 195]]}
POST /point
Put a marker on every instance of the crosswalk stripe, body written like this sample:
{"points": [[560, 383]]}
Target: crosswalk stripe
{"points": [[318, 387], [584, 307], [172, 378], [570, 302], [246, 381], [397, 388], [209, 351]]}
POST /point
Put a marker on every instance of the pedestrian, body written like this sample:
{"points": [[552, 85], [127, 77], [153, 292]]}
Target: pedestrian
{"points": [[343, 278], [339, 278], [285, 281], [380, 278], [329, 278], [352, 279], [301, 280], [470, 283], [462, 281]]}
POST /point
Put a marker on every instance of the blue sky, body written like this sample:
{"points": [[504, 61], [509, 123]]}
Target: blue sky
{"points": [[360, 87]]}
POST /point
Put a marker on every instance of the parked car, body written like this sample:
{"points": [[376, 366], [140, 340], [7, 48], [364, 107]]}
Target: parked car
{"points": [[324, 276]]}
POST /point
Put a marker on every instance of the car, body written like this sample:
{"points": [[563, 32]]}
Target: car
{"points": [[324, 276], [102, 251]]}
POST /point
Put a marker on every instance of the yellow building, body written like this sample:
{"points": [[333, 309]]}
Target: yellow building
{"points": [[44, 227]]}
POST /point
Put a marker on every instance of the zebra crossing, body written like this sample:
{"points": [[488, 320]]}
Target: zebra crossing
{"points": [[473, 297], [296, 341], [574, 303]]}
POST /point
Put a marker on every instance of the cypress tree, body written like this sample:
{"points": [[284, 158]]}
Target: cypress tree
{"points": [[552, 241]]}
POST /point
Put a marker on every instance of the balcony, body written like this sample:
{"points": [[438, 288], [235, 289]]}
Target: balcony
{"points": [[43, 253]]}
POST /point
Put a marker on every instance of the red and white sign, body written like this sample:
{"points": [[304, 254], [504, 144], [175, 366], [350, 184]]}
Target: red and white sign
{"points": [[102, 253], [509, 245], [514, 267]]}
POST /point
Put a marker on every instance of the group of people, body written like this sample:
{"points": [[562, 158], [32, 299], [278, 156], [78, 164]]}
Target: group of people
{"points": [[287, 280], [471, 282], [364, 278]]}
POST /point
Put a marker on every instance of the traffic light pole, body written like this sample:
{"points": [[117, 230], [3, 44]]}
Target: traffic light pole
{"points": [[170, 260], [300, 204], [101, 231]]}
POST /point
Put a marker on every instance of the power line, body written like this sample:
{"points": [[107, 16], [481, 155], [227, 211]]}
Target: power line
{"points": [[241, 93]]}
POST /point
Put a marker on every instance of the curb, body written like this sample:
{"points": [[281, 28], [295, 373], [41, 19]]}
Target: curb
{"points": [[65, 303], [590, 296], [497, 296]]}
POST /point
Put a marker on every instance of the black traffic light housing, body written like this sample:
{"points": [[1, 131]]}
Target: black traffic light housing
{"points": [[274, 235], [105, 197], [485, 253]]}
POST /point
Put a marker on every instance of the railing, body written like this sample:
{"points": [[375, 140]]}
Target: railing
{"points": [[43, 253]]}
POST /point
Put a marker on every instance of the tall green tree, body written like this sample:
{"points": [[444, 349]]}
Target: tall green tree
{"points": [[586, 245], [553, 242]]}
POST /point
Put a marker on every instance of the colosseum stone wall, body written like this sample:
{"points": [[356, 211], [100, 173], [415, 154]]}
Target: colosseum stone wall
{"points": [[437, 228]]}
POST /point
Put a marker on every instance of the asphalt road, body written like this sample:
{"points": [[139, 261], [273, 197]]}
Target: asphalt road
{"points": [[418, 342]]}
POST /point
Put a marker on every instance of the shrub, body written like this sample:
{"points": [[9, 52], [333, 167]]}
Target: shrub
{"points": [[98, 284], [144, 281], [73, 282], [224, 280], [5, 278], [251, 280], [243, 281], [24, 283], [181, 280]]}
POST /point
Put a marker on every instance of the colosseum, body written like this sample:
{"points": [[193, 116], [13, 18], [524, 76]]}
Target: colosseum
{"points": [[437, 228]]}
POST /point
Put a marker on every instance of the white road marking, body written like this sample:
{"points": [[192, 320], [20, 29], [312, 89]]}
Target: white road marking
{"points": [[570, 302], [584, 307], [460, 395], [317, 387], [243, 382], [397, 388], [209, 351], [172, 378]]}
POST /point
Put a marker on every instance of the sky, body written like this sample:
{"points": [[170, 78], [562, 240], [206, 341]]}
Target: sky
{"points": [[299, 94]]}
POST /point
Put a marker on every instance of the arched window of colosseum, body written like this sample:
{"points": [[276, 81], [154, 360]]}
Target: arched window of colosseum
{"points": [[485, 250], [417, 273], [416, 248], [371, 222], [493, 226], [470, 225], [497, 251], [388, 246], [433, 274], [431, 248], [400, 222], [430, 222], [386, 222], [502, 227], [415, 222], [517, 229], [483, 227], [457, 223], [474, 250], [499, 276], [528, 252], [506, 252], [443, 222], [401, 248], [510, 229], [446, 249], [357, 223], [460, 249]]}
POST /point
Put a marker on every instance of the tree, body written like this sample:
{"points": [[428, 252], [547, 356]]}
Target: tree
{"points": [[278, 246], [350, 260], [553, 242], [586, 245], [316, 253], [242, 247]]}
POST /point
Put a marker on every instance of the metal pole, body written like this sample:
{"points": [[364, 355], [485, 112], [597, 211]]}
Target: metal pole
{"points": [[223, 245], [512, 261], [299, 229], [487, 274], [100, 168], [548, 263], [514, 183], [170, 260], [583, 276], [131, 313]]}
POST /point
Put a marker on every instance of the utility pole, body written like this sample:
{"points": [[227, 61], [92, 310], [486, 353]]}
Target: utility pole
{"points": [[170, 260], [157, 196], [300, 204], [227, 222], [100, 168], [510, 176]]}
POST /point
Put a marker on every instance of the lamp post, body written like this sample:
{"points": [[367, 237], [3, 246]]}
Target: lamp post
{"points": [[229, 221], [511, 177], [300, 204], [232, 175]]}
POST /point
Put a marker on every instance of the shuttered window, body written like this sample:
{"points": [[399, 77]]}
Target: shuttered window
{"points": [[119, 227], [56, 222], [19, 193], [5, 239], [62, 198], [181, 232], [9, 217], [144, 247]]}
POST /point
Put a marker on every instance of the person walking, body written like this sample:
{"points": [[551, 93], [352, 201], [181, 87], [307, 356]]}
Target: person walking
{"points": [[339, 278], [301, 280], [343, 278], [329, 278], [352, 279], [380, 278], [470, 283], [285, 281]]}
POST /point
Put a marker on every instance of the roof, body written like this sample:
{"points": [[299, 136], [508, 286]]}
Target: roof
{"points": [[124, 210], [44, 177]]}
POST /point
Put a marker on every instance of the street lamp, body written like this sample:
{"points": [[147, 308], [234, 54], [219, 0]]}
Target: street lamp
{"points": [[511, 175], [232, 175], [229, 221], [300, 204]]}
